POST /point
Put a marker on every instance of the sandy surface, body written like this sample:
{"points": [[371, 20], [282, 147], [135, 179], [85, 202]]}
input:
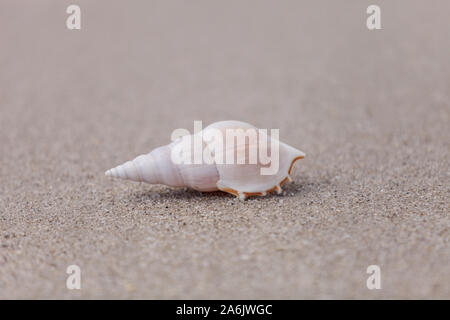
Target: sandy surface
{"points": [[370, 108]]}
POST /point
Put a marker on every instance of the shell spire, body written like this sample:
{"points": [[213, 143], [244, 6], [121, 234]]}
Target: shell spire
{"points": [[127, 171]]}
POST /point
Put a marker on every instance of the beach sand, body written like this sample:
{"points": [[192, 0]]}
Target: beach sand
{"points": [[370, 109]]}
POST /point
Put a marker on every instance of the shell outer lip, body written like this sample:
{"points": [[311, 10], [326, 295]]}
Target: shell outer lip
{"points": [[277, 187]]}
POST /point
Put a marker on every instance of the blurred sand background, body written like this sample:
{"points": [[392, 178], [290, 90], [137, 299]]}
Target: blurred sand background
{"points": [[370, 108]]}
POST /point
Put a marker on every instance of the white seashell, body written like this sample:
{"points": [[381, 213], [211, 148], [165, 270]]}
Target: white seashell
{"points": [[240, 179]]}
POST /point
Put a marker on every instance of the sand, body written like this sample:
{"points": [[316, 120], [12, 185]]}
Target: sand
{"points": [[370, 109]]}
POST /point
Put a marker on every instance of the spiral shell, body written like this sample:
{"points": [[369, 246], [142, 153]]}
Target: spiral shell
{"points": [[226, 164]]}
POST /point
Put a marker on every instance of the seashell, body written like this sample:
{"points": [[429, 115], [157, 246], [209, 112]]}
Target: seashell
{"points": [[226, 165]]}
